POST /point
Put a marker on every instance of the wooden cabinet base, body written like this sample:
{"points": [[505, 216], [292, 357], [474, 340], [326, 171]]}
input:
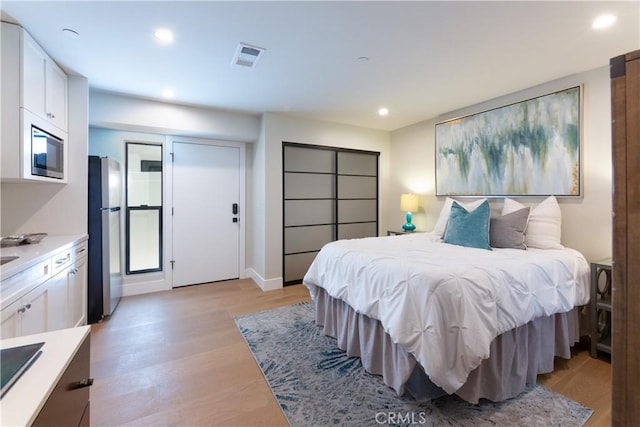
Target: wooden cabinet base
{"points": [[68, 404]]}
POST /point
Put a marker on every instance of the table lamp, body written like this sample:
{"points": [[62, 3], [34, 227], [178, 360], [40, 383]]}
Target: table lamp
{"points": [[408, 204]]}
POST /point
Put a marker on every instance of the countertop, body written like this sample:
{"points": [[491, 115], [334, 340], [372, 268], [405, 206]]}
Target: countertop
{"points": [[22, 403], [30, 255]]}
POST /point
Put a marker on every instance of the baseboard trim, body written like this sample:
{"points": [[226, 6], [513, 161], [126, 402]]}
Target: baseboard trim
{"points": [[265, 284], [138, 288]]}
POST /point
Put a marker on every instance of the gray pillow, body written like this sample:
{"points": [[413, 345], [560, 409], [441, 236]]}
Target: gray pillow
{"points": [[507, 231]]}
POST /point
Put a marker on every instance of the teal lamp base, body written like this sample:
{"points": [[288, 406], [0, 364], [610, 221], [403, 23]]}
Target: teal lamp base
{"points": [[408, 226]]}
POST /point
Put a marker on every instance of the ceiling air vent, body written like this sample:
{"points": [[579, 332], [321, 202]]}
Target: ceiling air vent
{"points": [[247, 56]]}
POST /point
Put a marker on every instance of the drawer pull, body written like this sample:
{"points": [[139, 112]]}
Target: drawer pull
{"points": [[87, 382], [24, 308], [81, 251], [61, 261]]}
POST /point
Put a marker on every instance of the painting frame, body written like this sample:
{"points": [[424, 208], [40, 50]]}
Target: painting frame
{"points": [[528, 148]]}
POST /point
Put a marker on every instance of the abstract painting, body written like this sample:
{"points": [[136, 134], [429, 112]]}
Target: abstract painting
{"points": [[530, 148]]}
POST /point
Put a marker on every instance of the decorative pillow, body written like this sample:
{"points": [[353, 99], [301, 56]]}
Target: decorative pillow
{"points": [[545, 223], [466, 228], [441, 224], [507, 231]]}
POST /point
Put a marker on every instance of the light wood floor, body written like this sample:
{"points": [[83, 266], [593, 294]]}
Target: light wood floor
{"points": [[176, 358]]}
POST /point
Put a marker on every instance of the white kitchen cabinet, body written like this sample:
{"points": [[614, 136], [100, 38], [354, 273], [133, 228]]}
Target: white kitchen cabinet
{"points": [[57, 304], [77, 288], [34, 314], [44, 84], [26, 299], [49, 295], [28, 315], [10, 320], [34, 93]]}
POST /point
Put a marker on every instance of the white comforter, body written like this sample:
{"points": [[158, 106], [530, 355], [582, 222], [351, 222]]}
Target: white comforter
{"points": [[445, 303]]}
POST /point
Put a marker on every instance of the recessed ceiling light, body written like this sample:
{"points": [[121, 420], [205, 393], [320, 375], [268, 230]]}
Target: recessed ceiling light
{"points": [[167, 93], [603, 21], [164, 35], [383, 111]]}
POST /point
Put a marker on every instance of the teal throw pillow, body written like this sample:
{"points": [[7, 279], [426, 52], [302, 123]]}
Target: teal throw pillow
{"points": [[469, 229]]}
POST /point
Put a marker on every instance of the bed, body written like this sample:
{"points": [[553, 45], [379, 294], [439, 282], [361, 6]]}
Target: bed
{"points": [[434, 318]]}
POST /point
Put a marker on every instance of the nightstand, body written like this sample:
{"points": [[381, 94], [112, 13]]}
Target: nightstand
{"points": [[600, 307], [399, 232]]}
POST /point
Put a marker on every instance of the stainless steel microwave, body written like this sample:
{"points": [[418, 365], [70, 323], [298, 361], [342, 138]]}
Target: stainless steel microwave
{"points": [[47, 154]]}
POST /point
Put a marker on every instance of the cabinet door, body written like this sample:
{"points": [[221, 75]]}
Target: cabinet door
{"points": [[34, 319], [78, 294], [56, 95], [10, 320], [56, 309], [34, 71]]}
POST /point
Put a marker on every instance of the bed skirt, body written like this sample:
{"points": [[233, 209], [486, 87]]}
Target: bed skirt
{"points": [[516, 357]]}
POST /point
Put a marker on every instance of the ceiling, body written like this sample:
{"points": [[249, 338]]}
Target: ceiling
{"points": [[424, 58]]}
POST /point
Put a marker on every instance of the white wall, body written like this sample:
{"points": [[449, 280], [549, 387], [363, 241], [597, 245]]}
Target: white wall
{"points": [[113, 111], [586, 221], [49, 207], [267, 182], [135, 119], [111, 143], [117, 118]]}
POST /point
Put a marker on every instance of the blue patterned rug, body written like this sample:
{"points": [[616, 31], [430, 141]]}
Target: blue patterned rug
{"points": [[316, 384]]}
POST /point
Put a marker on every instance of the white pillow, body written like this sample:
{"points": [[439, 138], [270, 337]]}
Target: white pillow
{"points": [[545, 223], [441, 224]]}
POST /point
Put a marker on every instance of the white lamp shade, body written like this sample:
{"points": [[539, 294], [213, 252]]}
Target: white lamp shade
{"points": [[409, 202]]}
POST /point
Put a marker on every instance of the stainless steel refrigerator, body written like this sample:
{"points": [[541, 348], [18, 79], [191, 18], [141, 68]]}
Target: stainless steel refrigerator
{"points": [[105, 273]]}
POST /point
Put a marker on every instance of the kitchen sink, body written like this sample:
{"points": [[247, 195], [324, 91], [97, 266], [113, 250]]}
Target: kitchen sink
{"points": [[6, 259]]}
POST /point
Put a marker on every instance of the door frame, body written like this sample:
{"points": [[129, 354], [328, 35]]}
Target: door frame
{"points": [[244, 211]]}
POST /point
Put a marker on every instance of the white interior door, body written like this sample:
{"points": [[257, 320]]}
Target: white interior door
{"points": [[206, 231]]}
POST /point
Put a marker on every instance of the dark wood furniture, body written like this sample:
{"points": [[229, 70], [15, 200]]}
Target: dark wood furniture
{"points": [[398, 232], [600, 307], [68, 404], [625, 110]]}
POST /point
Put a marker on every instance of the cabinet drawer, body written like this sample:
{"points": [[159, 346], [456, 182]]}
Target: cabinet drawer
{"points": [[79, 251], [61, 259], [68, 402], [24, 281]]}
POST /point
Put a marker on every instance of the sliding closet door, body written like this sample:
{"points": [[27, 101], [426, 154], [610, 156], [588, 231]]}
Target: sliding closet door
{"points": [[357, 195], [309, 206], [329, 194]]}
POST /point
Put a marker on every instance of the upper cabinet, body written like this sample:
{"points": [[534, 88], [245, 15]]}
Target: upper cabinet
{"points": [[33, 123], [44, 84]]}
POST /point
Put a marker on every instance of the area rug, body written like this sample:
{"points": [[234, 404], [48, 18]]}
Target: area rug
{"points": [[316, 384]]}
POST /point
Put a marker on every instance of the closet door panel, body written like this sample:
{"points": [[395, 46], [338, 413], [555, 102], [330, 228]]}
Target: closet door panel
{"points": [[296, 265], [357, 211], [357, 187], [299, 159], [308, 186], [307, 239], [357, 163], [357, 231], [309, 212]]}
